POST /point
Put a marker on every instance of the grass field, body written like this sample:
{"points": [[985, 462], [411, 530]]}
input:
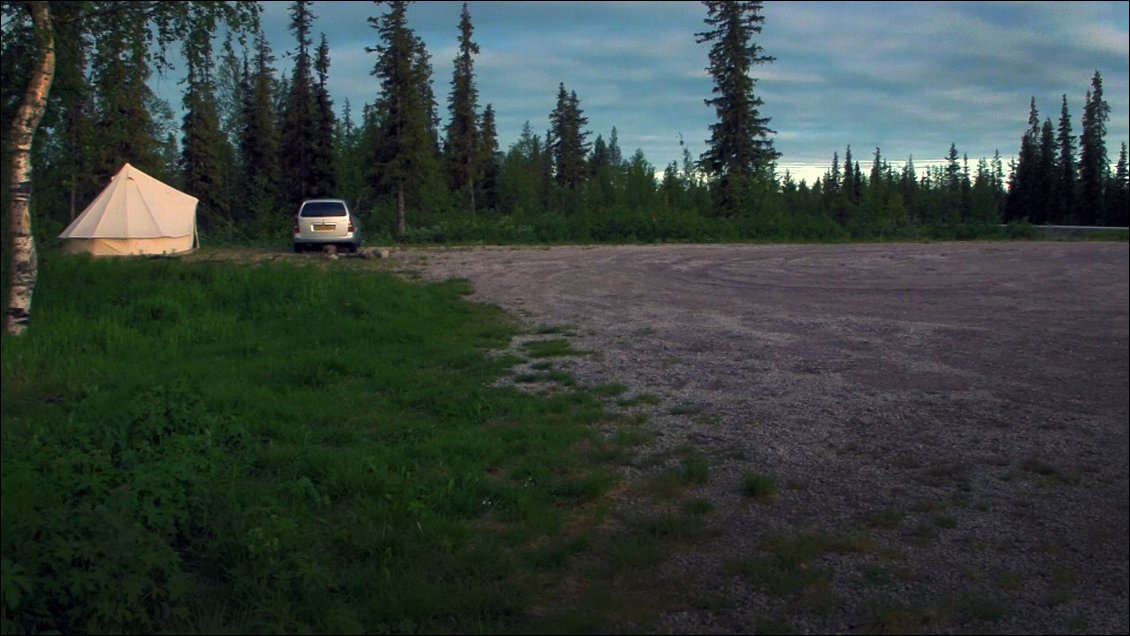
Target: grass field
{"points": [[194, 447]]}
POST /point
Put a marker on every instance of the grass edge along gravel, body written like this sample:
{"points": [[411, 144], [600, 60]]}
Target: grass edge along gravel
{"points": [[204, 447]]}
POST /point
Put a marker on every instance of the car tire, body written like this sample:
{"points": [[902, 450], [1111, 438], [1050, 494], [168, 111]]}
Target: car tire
{"points": [[297, 248]]}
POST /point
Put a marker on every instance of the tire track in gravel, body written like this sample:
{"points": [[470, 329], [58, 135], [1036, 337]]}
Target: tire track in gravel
{"points": [[973, 395]]}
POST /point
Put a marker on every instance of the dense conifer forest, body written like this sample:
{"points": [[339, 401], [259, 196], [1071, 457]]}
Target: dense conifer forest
{"points": [[254, 142]]}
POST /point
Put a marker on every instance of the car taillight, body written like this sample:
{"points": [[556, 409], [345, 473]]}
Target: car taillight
{"points": [[295, 231], [351, 225]]}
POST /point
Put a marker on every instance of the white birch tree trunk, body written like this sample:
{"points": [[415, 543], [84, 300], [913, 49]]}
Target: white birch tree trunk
{"points": [[23, 270]]}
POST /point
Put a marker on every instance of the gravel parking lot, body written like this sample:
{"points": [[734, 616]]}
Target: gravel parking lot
{"points": [[946, 421]]}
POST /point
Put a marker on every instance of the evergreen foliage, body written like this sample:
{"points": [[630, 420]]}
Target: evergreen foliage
{"points": [[566, 139], [260, 179], [489, 160], [405, 162], [229, 87], [1026, 181], [120, 70], [1094, 167], [69, 153], [204, 150], [1066, 180], [300, 124], [251, 145], [1118, 193], [349, 158], [465, 159], [739, 147], [323, 177]]}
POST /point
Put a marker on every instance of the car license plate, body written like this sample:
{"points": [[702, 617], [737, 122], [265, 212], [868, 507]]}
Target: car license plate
{"points": [[324, 227]]}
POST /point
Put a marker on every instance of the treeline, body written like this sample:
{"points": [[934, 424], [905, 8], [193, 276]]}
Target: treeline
{"points": [[252, 144]]}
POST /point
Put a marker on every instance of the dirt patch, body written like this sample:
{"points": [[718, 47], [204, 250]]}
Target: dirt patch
{"points": [[956, 414]]}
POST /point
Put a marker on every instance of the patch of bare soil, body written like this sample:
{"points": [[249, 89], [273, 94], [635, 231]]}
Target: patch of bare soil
{"points": [[946, 424]]}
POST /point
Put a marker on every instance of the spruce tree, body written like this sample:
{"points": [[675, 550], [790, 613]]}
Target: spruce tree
{"points": [[404, 152], [464, 158], [229, 87], [852, 186], [615, 155], [120, 70], [952, 210], [740, 146], [520, 190], [908, 187], [488, 160], [639, 182], [203, 147], [1118, 193], [260, 177], [983, 205], [1047, 182], [299, 126], [323, 178], [1066, 179], [599, 190], [567, 139], [67, 157], [349, 160], [1093, 162], [1024, 189]]}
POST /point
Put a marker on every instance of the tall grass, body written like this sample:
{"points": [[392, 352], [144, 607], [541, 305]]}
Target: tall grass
{"points": [[200, 447]]}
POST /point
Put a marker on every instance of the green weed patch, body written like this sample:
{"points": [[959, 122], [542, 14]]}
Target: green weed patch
{"points": [[200, 447]]}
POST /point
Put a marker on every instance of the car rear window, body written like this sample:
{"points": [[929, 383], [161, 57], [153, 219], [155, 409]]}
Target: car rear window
{"points": [[323, 208]]}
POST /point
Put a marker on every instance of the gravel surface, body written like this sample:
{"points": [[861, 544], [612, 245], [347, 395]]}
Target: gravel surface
{"points": [[949, 419]]}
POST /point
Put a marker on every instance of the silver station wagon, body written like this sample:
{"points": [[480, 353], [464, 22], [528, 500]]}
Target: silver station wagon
{"points": [[322, 222]]}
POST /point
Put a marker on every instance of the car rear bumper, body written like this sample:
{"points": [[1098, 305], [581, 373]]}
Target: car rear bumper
{"points": [[305, 239]]}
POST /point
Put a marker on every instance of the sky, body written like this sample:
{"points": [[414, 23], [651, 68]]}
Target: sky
{"points": [[910, 78]]}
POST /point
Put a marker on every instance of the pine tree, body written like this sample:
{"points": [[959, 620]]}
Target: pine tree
{"points": [[405, 149], [1093, 162], [464, 158], [739, 146], [1066, 179]]}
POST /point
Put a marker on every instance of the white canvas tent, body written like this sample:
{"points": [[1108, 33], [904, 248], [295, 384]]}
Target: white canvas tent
{"points": [[135, 214]]}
